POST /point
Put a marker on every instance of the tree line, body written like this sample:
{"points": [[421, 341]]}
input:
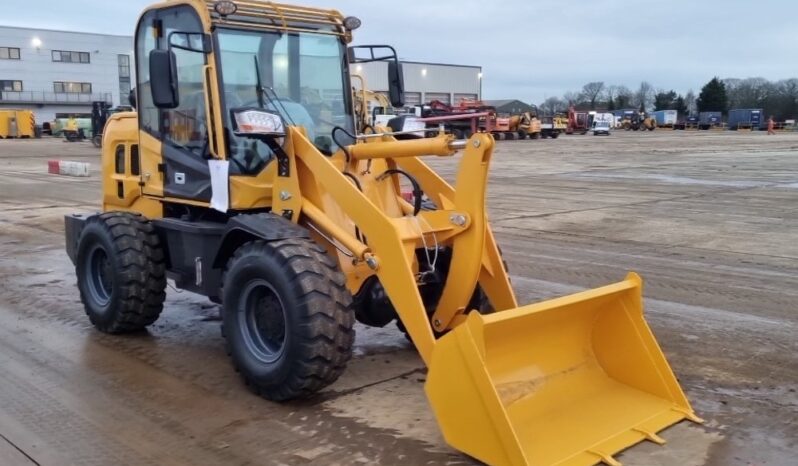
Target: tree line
{"points": [[777, 98]]}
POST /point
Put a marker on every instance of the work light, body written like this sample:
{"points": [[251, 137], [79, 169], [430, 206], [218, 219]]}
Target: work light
{"points": [[225, 7], [351, 23]]}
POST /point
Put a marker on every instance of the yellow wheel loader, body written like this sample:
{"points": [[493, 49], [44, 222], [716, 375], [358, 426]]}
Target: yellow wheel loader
{"points": [[368, 104], [240, 177]]}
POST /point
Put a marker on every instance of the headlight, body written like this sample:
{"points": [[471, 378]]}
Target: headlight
{"points": [[258, 122]]}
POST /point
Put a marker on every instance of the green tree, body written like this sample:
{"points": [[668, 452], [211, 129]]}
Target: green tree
{"points": [[680, 105], [713, 97], [611, 104], [664, 100]]}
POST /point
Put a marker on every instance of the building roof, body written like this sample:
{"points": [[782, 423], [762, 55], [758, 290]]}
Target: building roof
{"points": [[24, 28], [503, 102]]}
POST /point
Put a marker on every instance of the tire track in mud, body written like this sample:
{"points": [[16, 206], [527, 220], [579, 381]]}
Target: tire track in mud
{"points": [[173, 348]]}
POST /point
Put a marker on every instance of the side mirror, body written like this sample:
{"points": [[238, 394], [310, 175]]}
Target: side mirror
{"points": [[396, 84], [373, 53], [163, 79], [131, 98]]}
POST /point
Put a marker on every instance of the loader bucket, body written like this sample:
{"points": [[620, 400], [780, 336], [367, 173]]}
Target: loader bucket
{"points": [[570, 381]]}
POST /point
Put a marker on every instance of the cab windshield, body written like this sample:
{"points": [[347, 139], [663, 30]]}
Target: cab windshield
{"points": [[303, 76]]}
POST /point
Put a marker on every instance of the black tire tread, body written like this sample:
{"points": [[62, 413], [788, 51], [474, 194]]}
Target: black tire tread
{"points": [[329, 334], [142, 268]]}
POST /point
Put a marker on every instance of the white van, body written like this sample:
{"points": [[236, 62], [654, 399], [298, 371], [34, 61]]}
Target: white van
{"points": [[602, 123]]}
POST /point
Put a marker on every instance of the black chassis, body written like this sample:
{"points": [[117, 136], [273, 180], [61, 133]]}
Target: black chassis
{"points": [[197, 250]]}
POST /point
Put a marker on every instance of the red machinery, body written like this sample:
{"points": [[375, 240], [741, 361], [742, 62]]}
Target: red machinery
{"points": [[455, 118], [578, 122]]}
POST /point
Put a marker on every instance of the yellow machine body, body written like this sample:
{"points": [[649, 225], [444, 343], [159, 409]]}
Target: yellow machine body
{"points": [[570, 381], [531, 125]]}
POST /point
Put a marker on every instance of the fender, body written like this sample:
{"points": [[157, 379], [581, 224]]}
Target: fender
{"points": [[244, 228]]}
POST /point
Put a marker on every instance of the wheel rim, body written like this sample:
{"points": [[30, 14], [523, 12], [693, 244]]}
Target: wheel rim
{"points": [[99, 277], [262, 321]]}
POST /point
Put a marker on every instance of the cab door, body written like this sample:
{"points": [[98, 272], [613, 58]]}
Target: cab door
{"points": [[173, 142]]}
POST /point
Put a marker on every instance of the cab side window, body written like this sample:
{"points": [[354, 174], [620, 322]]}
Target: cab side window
{"points": [[185, 126], [145, 43]]}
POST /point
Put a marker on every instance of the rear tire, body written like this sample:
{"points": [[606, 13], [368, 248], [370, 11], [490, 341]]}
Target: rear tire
{"points": [[522, 134], [287, 317], [121, 272]]}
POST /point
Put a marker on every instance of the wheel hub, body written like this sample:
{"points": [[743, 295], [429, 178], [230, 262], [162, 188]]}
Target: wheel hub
{"points": [[263, 322], [100, 282]]}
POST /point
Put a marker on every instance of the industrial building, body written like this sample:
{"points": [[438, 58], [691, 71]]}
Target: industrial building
{"points": [[60, 73], [425, 82]]}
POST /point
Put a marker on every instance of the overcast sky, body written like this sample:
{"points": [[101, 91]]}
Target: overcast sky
{"points": [[533, 49]]}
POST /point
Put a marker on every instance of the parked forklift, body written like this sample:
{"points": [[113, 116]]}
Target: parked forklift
{"points": [[273, 205], [100, 111]]}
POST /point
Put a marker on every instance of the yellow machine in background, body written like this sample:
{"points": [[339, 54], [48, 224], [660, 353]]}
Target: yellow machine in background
{"points": [[271, 203], [367, 102], [17, 124], [530, 125]]}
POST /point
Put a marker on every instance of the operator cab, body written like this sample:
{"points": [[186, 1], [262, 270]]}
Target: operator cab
{"points": [[294, 66]]}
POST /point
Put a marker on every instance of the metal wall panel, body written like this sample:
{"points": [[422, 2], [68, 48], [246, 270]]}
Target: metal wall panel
{"points": [[443, 97], [412, 98], [424, 79]]}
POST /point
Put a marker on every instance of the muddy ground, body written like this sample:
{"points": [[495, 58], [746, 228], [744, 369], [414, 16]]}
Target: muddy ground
{"points": [[708, 219]]}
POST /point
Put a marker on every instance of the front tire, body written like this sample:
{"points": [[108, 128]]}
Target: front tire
{"points": [[287, 318], [121, 272]]}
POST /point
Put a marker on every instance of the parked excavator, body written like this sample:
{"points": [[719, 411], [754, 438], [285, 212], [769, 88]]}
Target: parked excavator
{"points": [[267, 200]]}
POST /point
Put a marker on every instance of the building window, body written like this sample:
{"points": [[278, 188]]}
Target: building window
{"points": [[124, 77], [71, 57], [10, 85], [124, 66], [9, 53], [61, 87]]}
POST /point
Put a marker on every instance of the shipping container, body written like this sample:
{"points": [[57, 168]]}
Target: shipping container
{"points": [[746, 118], [665, 118], [624, 113], [708, 120]]}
